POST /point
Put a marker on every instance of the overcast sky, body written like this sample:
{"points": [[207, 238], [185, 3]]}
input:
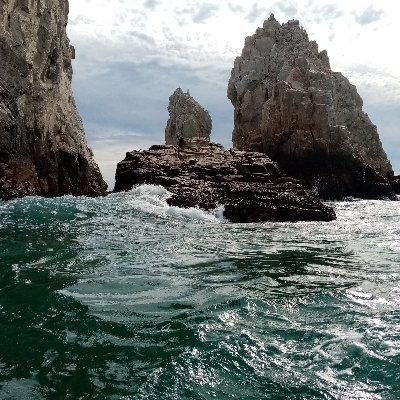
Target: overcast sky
{"points": [[132, 54]]}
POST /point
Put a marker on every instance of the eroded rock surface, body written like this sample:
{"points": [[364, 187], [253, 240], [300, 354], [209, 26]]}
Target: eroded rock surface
{"points": [[290, 105], [43, 150], [203, 174], [187, 119]]}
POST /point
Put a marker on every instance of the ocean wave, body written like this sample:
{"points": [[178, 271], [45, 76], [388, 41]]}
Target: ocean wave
{"points": [[152, 199]]}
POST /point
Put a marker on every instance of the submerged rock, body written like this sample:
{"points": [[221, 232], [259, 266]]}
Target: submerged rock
{"points": [[203, 174], [43, 150], [187, 119], [290, 105]]}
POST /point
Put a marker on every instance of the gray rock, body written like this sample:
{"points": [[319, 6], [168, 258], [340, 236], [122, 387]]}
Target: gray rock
{"points": [[187, 119], [290, 105], [43, 150]]}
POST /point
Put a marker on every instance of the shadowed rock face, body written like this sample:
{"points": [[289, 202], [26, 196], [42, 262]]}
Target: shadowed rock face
{"points": [[187, 119], [291, 106], [396, 184], [43, 150], [203, 174]]}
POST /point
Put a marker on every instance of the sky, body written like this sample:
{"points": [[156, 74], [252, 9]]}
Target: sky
{"points": [[132, 54]]}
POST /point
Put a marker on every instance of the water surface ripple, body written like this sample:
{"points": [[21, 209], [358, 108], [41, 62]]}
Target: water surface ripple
{"points": [[126, 298]]}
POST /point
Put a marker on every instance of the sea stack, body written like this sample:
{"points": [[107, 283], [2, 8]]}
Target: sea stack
{"points": [[201, 174], [290, 105], [187, 119], [43, 150]]}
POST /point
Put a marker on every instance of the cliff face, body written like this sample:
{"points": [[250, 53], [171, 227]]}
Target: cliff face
{"points": [[43, 150], [187, 119], [291, 106]]}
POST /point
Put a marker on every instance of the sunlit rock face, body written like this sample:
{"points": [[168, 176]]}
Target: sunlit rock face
{"points": [[187, 119], [43, 150], [290, 105]]}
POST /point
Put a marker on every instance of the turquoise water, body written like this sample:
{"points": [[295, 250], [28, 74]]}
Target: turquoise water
{"points": [[126, 298]]}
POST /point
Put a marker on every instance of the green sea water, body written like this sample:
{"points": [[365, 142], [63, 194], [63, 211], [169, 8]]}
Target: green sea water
{"points": [[126, 298]]}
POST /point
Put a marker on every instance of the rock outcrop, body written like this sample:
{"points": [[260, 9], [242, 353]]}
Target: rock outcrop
{"points": [[396, 184], [43, 150], [203, 174], [187, 119], [291, 106]]}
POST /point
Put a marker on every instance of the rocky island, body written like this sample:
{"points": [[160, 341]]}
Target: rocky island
{"points": [[291, 106], [43, 149], [202, 174]]}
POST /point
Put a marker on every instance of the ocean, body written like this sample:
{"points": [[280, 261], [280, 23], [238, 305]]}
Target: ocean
{"points": [[124, 297]]}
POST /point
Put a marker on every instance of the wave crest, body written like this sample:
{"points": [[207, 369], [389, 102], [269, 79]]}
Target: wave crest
{"points": [[152, 199]]}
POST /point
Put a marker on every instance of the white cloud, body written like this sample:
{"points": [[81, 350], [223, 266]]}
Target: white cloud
{"points": [[152, 4], [369, 15], [198, 34]]}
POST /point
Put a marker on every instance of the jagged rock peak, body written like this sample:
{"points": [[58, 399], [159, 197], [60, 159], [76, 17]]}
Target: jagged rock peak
{"points": [[187, 119], [290, 105], [43, 149]]}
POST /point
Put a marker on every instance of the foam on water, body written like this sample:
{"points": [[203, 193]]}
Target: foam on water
{"points": [[152, 199], [125, 297]]}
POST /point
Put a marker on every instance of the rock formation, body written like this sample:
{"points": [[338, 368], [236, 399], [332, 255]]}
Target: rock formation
{"points": [[396, 184], [291, 106], [187, 119], [43, 150], [203, 174]]}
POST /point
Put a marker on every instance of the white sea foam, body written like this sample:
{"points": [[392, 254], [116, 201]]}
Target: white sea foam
{"points": [[153, 200]]}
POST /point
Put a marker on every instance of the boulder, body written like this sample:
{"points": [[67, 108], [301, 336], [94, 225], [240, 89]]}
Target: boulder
{"points": [[43, 150], [290, 105], [187, 119], [203, 174]]}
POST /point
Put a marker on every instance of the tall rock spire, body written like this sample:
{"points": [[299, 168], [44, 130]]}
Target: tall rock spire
{"points": [[290, 105], [187, 119], [43, 149]]}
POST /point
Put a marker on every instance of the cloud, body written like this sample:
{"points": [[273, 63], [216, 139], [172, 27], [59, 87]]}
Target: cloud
{"points": [[288, 8], [368, 16], [329, 11], [255, 13], [235, 8], [204, 12], [143, 37], [151, 4], [374, 81], [199, 13], [81, 19]]}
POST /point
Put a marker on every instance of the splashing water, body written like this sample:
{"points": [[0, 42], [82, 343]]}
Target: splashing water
{"points": [[125, 297]]}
